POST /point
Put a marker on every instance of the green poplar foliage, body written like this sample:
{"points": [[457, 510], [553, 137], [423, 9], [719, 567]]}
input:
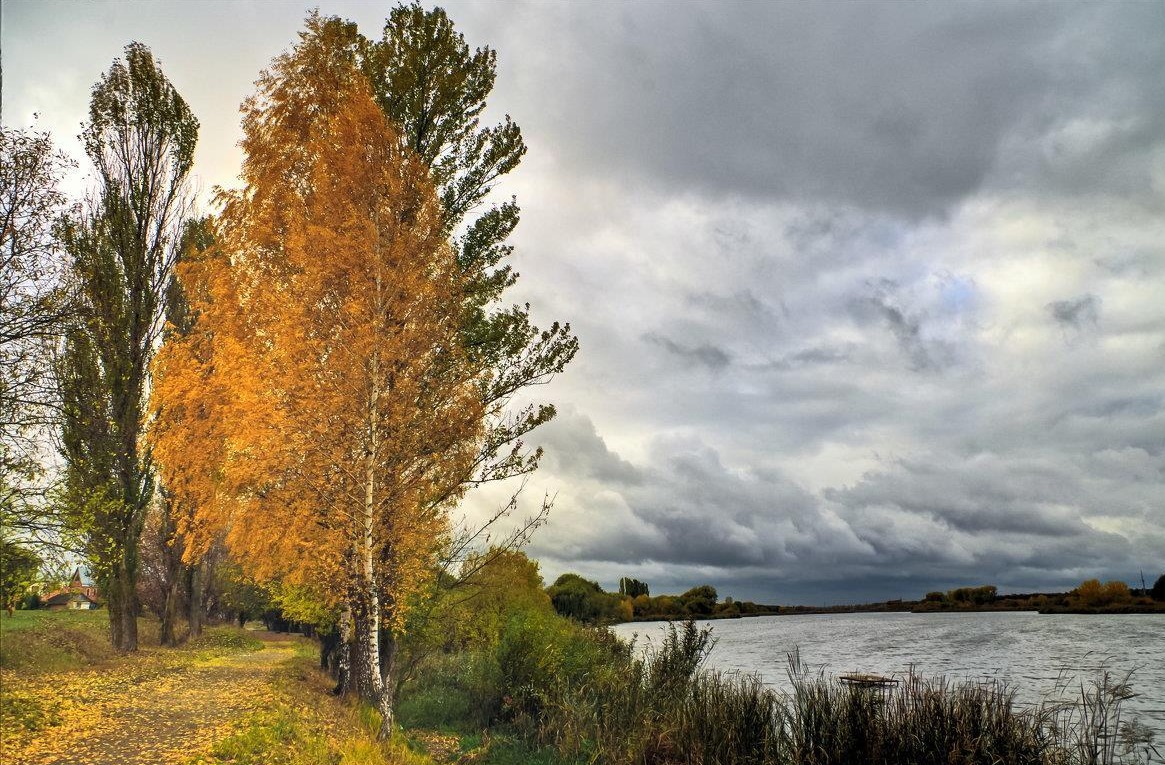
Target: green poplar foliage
{"points": [[140, 138]]}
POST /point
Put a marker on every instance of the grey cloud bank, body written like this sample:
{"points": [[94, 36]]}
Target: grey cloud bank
{"points": [[869, 295]]}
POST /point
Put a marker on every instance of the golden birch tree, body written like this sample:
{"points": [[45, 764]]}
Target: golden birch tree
{"points": [[322, 409]]}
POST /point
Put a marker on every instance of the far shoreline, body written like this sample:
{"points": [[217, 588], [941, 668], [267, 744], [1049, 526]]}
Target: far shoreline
{"points": [[912, 607]]}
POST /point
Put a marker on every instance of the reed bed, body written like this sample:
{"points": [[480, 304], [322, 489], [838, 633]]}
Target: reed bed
{"points": [[664, 708]]}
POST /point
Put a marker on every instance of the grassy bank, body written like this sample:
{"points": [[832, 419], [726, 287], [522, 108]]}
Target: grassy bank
{"points": [[59, 641], [302, 724], [58, 671]]}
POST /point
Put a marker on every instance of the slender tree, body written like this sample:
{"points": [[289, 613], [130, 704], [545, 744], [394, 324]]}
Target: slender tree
{"points": [[140, 138], [434, 89], [177, 575]]}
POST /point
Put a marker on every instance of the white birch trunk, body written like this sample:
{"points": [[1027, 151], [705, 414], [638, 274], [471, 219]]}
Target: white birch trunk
{"points": [[345, 649]]}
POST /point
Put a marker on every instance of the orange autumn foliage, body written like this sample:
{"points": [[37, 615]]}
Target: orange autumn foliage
{"points": [[321, 413]]}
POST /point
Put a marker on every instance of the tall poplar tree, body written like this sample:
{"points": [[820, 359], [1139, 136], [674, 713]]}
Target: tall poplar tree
{"points": [[434, 89], [140, 138]]}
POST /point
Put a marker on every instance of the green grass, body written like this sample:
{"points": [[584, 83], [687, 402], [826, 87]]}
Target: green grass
{"points": [[24, 713], [21, 621], [303, 725], [277, 736], [59, 641], [219, 640], [38, 641]]}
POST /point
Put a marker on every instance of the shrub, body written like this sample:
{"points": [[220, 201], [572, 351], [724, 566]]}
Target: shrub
{"points": [[1093, 594], [1158, 591]]}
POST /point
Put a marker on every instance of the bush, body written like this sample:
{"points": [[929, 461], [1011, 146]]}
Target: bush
{"points": [[973, 595], [587, 602], [1093, 594], [1158, 591]]}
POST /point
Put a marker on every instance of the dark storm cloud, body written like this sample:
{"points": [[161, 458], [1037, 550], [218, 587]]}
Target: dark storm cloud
{"points": [[579, 452], [812, 357], [1019, 518], [742, 307], [704, 354], [907, 329], [823, 259], [1077, 313], [980, 495], [688, 509], [884, 106]]}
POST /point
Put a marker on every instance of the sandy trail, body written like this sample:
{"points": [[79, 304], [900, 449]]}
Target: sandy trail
{"points": [[149, 710]]}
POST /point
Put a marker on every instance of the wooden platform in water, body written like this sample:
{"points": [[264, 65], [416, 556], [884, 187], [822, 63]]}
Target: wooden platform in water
{"points": [[866, 680]]}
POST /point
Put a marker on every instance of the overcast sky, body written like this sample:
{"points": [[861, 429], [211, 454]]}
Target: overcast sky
{"points": [[871, 297]]}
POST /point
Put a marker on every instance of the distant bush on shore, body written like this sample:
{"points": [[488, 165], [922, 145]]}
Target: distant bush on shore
{"points": [[585, 601], [1090, 597]]}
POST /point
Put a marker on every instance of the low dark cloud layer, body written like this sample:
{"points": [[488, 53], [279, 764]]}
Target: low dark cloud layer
{"points": [[882, 106]]}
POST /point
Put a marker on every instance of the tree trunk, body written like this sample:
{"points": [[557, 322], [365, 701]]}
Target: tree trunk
{"points": [[344, 669], [172, 560], [114, 606], [368, 609], [123, 607], [196, 594], [369, 674], [388, 648], [167, 632]]}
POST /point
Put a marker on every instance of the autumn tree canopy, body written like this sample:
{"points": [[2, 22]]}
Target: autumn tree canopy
{"points": [[435, 88], [346, 370], [322, 411]]}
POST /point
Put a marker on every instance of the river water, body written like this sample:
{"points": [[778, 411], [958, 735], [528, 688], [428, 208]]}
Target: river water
{"points": [[1028, 650]]}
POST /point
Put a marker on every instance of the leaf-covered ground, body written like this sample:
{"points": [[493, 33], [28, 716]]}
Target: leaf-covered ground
{"points": [[153, 707], [230, 697]]}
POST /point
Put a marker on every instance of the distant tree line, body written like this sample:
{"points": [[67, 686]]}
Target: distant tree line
{"points": [[1089, 596], [586, 601]]}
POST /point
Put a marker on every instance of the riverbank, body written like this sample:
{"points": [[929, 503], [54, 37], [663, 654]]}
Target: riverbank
{"points": [[1053, 605], [229, 697], [543, 691], [590, 699]]}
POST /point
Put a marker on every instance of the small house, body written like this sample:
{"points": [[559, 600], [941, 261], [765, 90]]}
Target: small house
{"points": [[79, 595], [70, 601]]}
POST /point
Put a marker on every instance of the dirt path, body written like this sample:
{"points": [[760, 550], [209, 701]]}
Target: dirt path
{"points": [[149, 710]]}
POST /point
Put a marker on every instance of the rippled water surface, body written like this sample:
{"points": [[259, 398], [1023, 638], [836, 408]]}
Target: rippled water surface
{"points": [[1029, 650]]}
